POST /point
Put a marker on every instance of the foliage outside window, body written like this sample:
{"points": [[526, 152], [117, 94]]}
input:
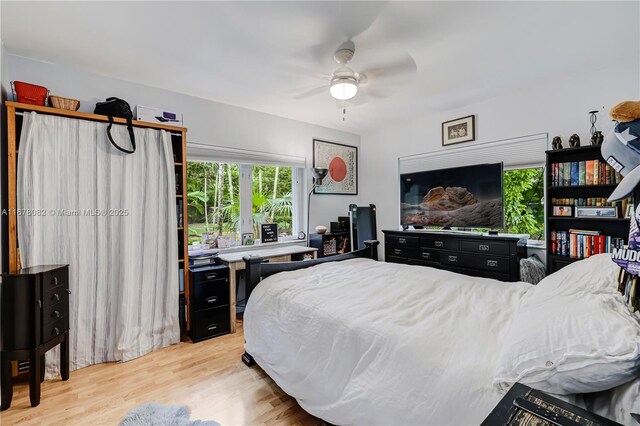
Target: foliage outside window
{"points": [[214, 198], [523, 202]]}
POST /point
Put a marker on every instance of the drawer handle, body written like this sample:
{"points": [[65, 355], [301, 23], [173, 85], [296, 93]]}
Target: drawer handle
{"points": [[492, 263], [211, 276], [402, 240], [212, 327], [55, 314], [397, 251], [55, 331], [68, 291], [212, 299], [439, 244], [483, 247], [426, 255], [54, 281], [453, 258], [55, 297]]}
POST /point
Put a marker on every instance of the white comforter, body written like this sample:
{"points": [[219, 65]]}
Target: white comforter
{"points": [[364, 342]]}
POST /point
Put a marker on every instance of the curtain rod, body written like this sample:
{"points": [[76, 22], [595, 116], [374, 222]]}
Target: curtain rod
{"points": [[172, 132]]}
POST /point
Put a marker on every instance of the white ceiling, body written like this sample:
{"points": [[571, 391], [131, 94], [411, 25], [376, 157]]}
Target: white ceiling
{"points": [[262, 55]]}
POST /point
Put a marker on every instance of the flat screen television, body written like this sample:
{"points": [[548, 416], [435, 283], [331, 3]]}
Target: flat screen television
{"points": [[463, 197]]}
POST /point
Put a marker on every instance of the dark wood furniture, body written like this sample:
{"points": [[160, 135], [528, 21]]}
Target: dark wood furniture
{"points": [[525, 406], [481, 256], [210, 302], [256, 270], [616, 227], [331, 243], [178, 136], [35, 319]]}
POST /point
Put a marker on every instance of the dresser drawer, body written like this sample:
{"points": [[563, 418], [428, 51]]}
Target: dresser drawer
{"points": [[456, 259], [491, 263], [210, 294], [53, 313], [400, 251], [54, 329], [439, 243], [403, 241], [428, 255], [210, 323], [210, 275], [55, 295], [485, 247]]}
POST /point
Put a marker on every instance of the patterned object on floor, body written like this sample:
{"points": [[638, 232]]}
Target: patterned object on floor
{"points": [[532, 269], [154, 413]]}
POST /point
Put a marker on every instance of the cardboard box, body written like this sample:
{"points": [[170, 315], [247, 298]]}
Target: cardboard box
{"points": [[157, 116]]}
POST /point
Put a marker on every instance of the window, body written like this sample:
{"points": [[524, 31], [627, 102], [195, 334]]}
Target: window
{"points": [[229, 200], [523, 202]]}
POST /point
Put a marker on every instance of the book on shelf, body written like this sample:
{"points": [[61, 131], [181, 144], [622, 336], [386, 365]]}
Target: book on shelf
{"points": [[179, 213], [580, 244], [589, 172], [181, 279]]}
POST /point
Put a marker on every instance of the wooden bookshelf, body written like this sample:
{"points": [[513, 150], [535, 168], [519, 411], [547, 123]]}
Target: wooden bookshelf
{"points": [[178, 135], [615, 227]]}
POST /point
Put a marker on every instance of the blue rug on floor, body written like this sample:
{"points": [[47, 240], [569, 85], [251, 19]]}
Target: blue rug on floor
{"points": [[154, 413]]}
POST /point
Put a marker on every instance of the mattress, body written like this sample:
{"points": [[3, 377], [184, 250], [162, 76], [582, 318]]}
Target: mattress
{"points": [[365, 342]]}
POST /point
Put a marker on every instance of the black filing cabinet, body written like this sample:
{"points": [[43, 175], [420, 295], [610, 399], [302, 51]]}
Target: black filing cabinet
{"points": [[210, 316], [35, 318]]}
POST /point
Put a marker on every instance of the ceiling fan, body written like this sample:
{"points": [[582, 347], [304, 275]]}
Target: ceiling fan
{"points": [[389, 74]]}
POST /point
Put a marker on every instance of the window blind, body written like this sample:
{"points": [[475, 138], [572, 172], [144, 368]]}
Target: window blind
{"points": [[515, 153], [204, 152]]}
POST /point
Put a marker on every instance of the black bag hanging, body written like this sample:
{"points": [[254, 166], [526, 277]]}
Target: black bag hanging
{"points": [[115, 107]]}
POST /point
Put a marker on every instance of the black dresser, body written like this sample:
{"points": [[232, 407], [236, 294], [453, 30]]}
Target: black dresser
{"points": [[209, 305], [35, 318], [470, 254]]}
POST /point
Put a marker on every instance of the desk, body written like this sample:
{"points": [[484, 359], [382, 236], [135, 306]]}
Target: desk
{"points": [[235, 263]]}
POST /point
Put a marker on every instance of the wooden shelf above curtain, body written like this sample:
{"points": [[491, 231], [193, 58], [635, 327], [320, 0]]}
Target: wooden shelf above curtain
{"points": [[178, 136]]}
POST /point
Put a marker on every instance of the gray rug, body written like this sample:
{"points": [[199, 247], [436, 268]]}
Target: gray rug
{"points": [[154, 413]]}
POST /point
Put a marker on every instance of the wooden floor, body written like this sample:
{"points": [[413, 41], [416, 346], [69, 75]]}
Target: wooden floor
{"points": [[207, 376]]}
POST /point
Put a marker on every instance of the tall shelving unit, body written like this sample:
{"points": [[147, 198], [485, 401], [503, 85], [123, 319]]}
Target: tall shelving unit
{"points": [[614, 227], [11, 261]]}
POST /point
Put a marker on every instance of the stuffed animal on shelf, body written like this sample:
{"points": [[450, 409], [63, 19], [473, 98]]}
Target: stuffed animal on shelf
{"points": [[626, 111], [556, 143], [574, 141]]}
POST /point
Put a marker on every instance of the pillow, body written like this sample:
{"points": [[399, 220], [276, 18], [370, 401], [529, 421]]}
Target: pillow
{"points": [[573, 333]]}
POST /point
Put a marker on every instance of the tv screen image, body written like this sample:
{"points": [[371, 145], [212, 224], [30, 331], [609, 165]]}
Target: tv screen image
{"points": [[464, 197]]}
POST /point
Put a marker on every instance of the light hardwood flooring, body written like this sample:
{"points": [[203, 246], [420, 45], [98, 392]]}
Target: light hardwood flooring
{"points": [[207, 376]]}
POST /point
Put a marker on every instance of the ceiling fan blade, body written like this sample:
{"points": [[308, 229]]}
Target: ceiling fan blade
{"points": [[357, 17], [307, 93], [388, 78]]}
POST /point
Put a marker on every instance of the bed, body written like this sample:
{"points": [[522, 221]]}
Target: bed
{"points": [[365, 342]]}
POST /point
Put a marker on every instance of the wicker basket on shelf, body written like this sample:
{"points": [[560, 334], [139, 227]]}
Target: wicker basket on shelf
{"points": [[64, 103]]}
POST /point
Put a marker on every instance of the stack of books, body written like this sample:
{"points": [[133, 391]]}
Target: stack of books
{"points": [[591, 201], [580, 244], [202, 257], [591, 172]]}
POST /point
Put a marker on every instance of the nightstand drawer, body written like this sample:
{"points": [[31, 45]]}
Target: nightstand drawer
{"points": [[485, 247], [53, 313], [54, 295], [208, 323], [403, 241], [210, 294]]}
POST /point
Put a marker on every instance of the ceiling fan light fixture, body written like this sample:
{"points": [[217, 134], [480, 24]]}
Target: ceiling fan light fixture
{"points": [[344, 88]]}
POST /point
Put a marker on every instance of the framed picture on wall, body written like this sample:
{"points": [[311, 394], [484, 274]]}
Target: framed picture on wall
{"points": [[341, 161], [459, 130]]}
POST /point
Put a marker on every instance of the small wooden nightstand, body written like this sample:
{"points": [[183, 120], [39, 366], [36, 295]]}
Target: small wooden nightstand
{"points": [[525, 406]]}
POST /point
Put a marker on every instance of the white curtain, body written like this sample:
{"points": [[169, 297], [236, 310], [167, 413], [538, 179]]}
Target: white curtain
{"points": [[112, 217]]}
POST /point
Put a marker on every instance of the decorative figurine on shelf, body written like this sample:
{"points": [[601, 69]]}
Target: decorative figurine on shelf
{"points": [[556, 143], [574, 141], [597, 138], [593, 120]]}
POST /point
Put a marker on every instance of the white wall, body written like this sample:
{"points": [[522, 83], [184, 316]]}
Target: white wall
{"points": [[558, 106], [207, 122]]}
